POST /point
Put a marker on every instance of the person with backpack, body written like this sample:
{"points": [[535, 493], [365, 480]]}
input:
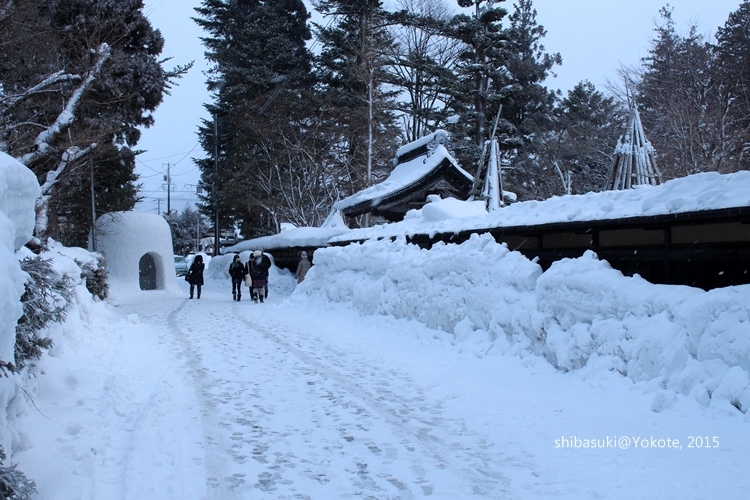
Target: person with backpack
{"points": [[237, 273], [257, 267], [195, 275]]}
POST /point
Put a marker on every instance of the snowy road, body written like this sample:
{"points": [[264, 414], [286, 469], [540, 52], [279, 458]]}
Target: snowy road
{"points": [[290, 413], [213, 399]]}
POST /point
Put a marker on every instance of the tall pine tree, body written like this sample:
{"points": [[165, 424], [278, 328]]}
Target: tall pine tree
{"points": [[733, 65], [482, 85], [678, 102], [528, 111], [579, 145], [260, 75], [76, 75]]}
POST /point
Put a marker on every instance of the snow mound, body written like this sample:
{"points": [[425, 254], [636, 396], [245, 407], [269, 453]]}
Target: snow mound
{"points": [[19, 190], [580, 314]]}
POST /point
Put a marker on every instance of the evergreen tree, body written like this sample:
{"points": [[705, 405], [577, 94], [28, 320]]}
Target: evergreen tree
{"points": [[678, 102], [75, 75], [529, 66], [580, 144], [529, 109], [482, 85], [261, 75], [733, 67]]}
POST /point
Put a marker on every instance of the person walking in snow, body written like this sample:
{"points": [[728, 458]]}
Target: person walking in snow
{"points": [[237, 273], [266, 262], [302, 267], [195, 275], [257, 267]]}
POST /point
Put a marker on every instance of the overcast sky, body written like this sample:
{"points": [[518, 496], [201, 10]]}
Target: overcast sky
{"points": [[594, 37]]}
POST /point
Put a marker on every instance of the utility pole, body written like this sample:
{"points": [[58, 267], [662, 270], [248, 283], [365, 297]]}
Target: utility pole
{"points": [[197, 231], [93, 207], [217, 238], [168, 178]]}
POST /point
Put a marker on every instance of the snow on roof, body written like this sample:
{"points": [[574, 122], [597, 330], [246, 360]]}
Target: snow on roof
{"points": [[438, 209], [403, 175], [19, 190], [296, 237], [440, 136], [699, 192]]}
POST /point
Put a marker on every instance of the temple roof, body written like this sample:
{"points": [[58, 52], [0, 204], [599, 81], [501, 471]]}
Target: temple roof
{"points": [[424, 167]]}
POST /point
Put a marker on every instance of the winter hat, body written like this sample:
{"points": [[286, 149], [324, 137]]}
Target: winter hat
{"points": [[236, 257], [304, 254], [257, 253]]}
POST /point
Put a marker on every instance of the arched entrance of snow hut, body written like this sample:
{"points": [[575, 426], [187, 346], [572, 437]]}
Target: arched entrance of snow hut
{"points": [[147, 272]]}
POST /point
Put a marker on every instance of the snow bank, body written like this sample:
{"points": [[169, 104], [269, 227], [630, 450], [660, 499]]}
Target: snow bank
{"points": [[580, 314], [19, 190], [11, 289]]}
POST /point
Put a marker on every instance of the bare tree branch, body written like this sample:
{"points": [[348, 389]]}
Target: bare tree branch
{"points": [[67, 115]]}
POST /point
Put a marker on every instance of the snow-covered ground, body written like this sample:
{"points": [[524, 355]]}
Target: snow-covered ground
{"points": [[391, 372], [394, 373]]}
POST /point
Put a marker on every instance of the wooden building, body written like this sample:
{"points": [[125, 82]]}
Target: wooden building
{"points": [[422, 168]]}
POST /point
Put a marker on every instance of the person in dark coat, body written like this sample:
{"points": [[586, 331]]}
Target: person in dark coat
{"points": [[257, 267], [302, 267], [237, 273], [266, 262], [195, 275]]}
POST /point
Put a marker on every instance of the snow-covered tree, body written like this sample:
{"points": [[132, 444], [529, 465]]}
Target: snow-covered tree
{"points": [[575, 153], [733, 65], [482, 85], [187, 228], [75, 74], [678, 95], [528, 111]]}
